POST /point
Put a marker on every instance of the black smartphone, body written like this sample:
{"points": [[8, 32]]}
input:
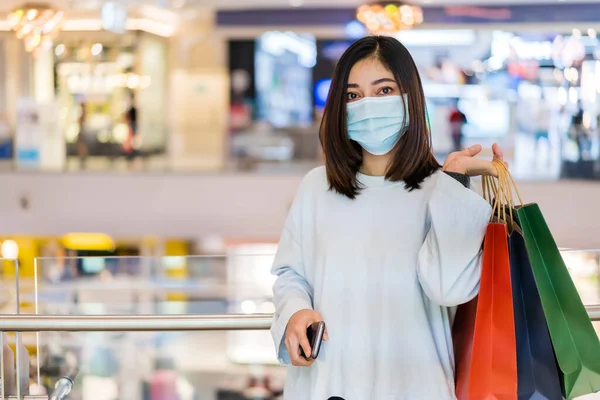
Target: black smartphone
{"points": [[315, 337]]}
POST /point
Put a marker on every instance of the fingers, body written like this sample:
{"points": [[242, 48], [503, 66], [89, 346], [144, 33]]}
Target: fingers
{"points": [[293, 347], [498, 153], [296, 340], [305, 345], [478, 166], [484, 167], [472, 165], [473, 150], [325, 335], [468, 152]]}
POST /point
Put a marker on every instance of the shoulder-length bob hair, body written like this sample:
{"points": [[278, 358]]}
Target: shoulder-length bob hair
{"points": [[412, 157]]}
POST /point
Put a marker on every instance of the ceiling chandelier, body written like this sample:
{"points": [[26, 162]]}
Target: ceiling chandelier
{"points": [[36, 24], [389, 17]]}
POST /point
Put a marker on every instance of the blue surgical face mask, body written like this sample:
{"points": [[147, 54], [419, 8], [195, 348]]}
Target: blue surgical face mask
{"points": [[377, 123]]}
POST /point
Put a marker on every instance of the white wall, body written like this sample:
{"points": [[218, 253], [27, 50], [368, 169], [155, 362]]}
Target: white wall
{"points": [[233, 205], [178, 205]]}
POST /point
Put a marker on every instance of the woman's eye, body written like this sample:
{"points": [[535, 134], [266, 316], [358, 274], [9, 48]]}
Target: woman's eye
{"points": [[352, 96], [386, 90]]}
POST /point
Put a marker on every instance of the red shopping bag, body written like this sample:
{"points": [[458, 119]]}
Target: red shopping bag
{"points": [[486, 367]]}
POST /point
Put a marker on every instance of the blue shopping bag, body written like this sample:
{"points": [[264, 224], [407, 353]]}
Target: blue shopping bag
{"points": [[537, 370]]}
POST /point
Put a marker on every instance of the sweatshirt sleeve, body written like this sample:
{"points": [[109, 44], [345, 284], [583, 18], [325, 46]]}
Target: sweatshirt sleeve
{"points": [[291, 290], [449, 265]]}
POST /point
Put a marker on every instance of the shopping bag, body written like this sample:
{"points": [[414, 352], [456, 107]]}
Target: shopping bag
{"points": [[485, 351], [538, 376], [574, 339], [493, 372]]}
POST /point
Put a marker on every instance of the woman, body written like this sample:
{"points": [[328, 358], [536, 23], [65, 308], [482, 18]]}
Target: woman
{"points": [[380, 244]]}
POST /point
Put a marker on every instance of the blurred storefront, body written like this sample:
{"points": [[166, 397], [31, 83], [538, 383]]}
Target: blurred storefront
{"points": [[205, 90], [523, 89], [100, 86], [114, 82]]}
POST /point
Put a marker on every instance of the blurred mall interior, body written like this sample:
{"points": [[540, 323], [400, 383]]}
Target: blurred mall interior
{"points": [[175, 134]]}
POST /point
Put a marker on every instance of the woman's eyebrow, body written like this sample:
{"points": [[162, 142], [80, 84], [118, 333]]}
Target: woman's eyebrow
{"points": [[378, 81]]}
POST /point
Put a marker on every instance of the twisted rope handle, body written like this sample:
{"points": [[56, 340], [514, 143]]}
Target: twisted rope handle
{"points": [[508, 181], [499, 193]]}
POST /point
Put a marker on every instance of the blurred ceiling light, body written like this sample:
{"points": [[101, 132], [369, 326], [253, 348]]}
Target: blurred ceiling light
{"points": [[296, 3], [9, 250], [558, 75], [60, 50], [562, 96], [92, 25], [389, 17], [132, 81], [573, 95], [151, 26], [72, 132], [355, 29], [97, 49], [37, 25], [587, 120], [103, 136], [120, 133], [572, 75], [495, 63], [248, 307]]}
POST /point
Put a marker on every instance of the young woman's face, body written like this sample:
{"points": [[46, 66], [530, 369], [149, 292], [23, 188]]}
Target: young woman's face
{"points": [[369, 78]]}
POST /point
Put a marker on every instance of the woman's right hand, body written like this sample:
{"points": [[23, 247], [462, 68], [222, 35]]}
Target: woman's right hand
{"points": [[295, 336]]}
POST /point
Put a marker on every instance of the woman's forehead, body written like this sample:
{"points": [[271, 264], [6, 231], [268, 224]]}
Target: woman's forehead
{"points": [[369, 69]]}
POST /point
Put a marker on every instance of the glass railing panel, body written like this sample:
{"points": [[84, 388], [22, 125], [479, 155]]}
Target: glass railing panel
{"points": [[139, 366], [152, 285], [230, 284], [584, 266]]}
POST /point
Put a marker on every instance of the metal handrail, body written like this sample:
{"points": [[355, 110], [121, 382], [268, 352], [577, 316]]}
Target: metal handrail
{"points": [[133, 323], [151, 323]]}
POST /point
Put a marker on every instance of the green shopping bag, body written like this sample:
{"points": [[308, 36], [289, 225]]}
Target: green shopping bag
{"points": [[574, 339]]}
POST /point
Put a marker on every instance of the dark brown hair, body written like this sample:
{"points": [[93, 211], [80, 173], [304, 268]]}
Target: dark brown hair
{"points": [[412, 157]]}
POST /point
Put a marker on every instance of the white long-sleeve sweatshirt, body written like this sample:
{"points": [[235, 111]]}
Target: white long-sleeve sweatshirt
{"points": [[385, 271]]}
